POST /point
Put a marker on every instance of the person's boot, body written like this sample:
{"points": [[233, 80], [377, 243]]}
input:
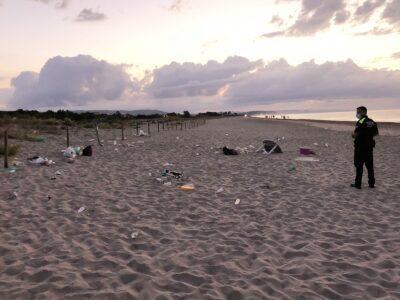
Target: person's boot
{"points": [[355, 186]]}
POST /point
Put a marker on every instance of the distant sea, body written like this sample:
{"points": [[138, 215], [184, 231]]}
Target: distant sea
{"points": [[377, 115]]}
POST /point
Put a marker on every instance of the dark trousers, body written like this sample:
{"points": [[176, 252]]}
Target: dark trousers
{"points": [[361, 157]]}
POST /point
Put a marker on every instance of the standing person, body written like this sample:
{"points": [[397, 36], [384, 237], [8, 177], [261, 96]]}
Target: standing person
{"points": [[364, 133]]}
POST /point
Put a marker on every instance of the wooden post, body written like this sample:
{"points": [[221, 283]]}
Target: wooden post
{"points": [[67, 136], [122, 132], [148, 127], [163, 125], [137, 129], [158, 126], [181, 126], [185, 124], [97, 135], [176, 125], [6, 149]]}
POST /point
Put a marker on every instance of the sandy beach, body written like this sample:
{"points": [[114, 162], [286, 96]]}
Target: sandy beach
{"points": [[298, 232]]}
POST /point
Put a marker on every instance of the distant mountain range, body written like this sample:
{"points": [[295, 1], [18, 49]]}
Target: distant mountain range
{"points": [[145, 112]]}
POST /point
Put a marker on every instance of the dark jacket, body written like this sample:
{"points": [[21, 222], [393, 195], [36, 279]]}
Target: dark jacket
{"points": [[364, 133]]}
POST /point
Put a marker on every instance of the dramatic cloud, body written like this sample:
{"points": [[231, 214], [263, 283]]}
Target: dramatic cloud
{"points": [[280, 82], [65, 81], [391, 14], [89, 15], [315, 16], [189, 79], [364, 11], [60, 4]]}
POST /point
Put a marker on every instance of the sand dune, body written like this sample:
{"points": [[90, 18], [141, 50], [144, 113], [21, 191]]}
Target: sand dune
{"points": [[296, 234]]}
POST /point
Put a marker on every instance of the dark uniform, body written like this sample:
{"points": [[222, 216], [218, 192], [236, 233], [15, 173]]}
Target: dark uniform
{"points": [[364, 145]]}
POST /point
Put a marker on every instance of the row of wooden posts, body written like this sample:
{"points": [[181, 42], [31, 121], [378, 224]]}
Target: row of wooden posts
{"points": [[161, 126]]}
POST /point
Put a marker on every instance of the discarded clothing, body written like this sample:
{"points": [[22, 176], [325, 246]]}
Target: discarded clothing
{"points": [[228, 151]]}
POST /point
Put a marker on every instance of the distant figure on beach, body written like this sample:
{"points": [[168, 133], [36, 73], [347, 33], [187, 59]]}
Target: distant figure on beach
{"points": [[364, 143]]}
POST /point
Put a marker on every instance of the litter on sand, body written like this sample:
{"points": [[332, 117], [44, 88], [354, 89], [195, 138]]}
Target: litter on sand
{"points": [[228, 151], [306, 151], [134, 234], [304, 158], [81, 209], [187, 187], [220, 190], [237, 201], [38, 160], [167, 165]]}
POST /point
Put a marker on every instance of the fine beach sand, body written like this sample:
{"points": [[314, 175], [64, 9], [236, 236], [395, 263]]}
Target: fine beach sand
{"points": [[296, 234]]}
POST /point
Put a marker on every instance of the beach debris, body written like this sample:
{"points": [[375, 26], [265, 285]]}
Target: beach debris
{"points": [[116, 149], [187, 187], [168, 183], [91, 140], [13, 196], [177, 137], [228, 151], [292, 168], [167, 164], [142, 133], [251, 147], [159, 179], [307, 159], [81, 209], [150, 174], [38, 160], [326, 145], [237, 201], [134, 234], [115, 143], [315, 144], [48, 197], [220, 190], [227, 134], [57, 173], [197, 154], [53, 178], [306, 151], [269, 147]]}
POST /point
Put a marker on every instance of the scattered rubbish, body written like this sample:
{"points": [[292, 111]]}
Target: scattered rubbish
{"points": [[150, 174], [269, 147], [134, 234], [168, 183], [48, 197], [167, 165], [187, 187], [13, 196], [197, 154], [176, 175], [91, 140], [38, 160], [69, 152], [315, 144], [81, 209], [326, 145], [142, 133], [292, 168], [177, 137], [116, 149], [227, 134], [159, 179], [251, 147], [197, 145], [306, 151], [220, 190], [53, 178], [115, 143], [303, 158], [57, 173], [228, 151], [87, 151], [237, 201]]}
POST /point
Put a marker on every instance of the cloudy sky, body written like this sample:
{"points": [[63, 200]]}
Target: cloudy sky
{"points": [[199, 55]]}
